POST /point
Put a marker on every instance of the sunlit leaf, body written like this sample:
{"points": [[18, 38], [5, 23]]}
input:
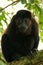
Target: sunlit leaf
{"points": [[41, 18], [41, 35]]}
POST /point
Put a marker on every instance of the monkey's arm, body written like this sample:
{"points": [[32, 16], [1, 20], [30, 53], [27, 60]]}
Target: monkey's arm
{"points": [[6, 48], [35, 34]]}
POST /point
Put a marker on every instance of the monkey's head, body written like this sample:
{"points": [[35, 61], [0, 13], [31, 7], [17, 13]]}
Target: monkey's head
{"points": [[23, 21]]}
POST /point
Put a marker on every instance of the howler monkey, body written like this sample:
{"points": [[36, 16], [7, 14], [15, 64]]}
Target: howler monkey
{"points": [[21, 37]]}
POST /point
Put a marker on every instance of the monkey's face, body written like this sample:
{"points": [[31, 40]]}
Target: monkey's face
{"points": [[23, 25]]}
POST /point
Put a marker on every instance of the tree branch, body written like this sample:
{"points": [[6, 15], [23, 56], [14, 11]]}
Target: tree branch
{"points": [[8, 5]]}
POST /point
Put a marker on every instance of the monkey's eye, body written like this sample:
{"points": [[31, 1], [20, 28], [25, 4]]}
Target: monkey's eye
{"points": [[26, 20], [18, 22]]}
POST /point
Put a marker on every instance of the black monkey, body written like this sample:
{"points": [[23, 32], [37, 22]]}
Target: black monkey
{"points": [[21, 37]]}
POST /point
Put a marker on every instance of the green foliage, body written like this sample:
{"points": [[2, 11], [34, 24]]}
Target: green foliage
{"points": [[36, 9], [41, 35], [41, 24], [34, 6], [41, 17], [23, 1], [2, 16], [34, 1], [28, 5], [2, 61], [31, 1]]}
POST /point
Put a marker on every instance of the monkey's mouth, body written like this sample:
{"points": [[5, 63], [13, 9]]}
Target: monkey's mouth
{"points": [[22, 30]]}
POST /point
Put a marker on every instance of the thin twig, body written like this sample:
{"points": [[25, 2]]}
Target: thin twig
{"points": [[8, 5]]}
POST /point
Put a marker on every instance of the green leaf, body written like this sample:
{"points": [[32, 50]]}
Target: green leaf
{"points": [[3, 16], [41, 18], [34, 1], [29, 6], [2, 63], [41, 26], [41, 35], [23, 1], [31, 1], [0, 23], [36, 9], [1, 29]]}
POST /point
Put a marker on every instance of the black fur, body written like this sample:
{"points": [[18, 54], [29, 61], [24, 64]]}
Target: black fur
{"points": [[21, 36]]}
